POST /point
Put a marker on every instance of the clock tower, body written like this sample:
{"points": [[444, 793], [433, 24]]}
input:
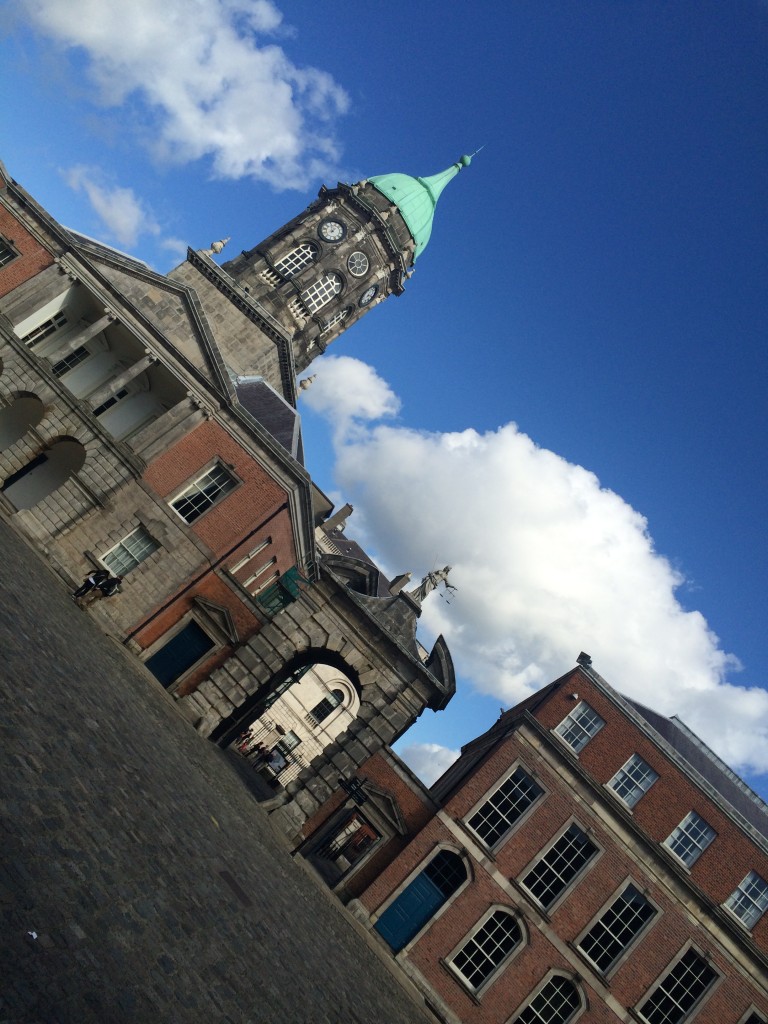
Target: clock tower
{"points": [[351, 248]]}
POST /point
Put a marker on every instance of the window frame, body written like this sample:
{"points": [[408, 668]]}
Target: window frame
{"points": [[636, 938], [191, 483], [7, 247], [587, 866], [121, 543], [576, 750], [546, 980], [695, 1007], [488, 796], [409, 878], [631, 804], [302, 255], [170, 634], [477, 991], [319, 290], [739, 890], [753, 1016], [680, 828]]}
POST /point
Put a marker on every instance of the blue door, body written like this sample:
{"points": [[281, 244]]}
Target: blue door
{"points": [[418, 901]]}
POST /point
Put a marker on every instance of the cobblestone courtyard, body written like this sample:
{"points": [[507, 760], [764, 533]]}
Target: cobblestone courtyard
{"points": [[156, 886]]}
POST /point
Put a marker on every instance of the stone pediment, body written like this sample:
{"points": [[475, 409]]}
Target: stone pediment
{"points": [[387, 806], [172, 309], [219, 618]]}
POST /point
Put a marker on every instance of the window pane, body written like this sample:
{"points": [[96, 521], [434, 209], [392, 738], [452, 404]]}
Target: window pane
{"points": [[6, 253], [680, 990], [496, 816], [750, 899], [559, 866], [555, 1004], [578, 728], [45, 329], [70, 362], [321, 292], [617, 928], [691, 838], [203, 493], [130, 552], [447, 871], [296, 260], [488, 948], [633, 780]]}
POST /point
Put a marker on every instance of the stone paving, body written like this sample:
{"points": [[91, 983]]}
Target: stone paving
{"points": [[157, 888]]}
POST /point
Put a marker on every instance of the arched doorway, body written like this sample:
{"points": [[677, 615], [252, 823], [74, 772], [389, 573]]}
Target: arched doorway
{"points": [[420, 900], [305, 708], [44, 474], [16, 419]]}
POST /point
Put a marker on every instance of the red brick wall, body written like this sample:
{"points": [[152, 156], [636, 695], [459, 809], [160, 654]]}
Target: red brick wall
{"points": [[724, 864], [414, 807], [231, 529], [32, 258], [245, 507], [617, 862]]}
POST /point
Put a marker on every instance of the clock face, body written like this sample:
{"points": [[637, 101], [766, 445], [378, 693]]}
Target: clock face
{"points": [[331, 230], [358, 264], [368, 295]]}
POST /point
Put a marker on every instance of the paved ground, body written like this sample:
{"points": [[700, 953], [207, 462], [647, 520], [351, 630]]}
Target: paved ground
{"points": [[156, 886]]}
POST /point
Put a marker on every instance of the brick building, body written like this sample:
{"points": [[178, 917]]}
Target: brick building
{"points": [[584, 858], [149, 425]]}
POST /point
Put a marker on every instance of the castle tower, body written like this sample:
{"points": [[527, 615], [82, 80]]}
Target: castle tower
{"points": [[348, 251]]}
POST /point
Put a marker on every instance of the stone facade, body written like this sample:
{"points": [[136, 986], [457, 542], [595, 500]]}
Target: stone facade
{"points": [[148, 425]]}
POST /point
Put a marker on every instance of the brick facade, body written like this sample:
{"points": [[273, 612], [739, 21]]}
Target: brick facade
{"points": [[628, 849]]}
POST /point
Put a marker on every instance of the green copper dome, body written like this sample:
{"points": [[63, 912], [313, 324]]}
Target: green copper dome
{"points": [[416, 198]]}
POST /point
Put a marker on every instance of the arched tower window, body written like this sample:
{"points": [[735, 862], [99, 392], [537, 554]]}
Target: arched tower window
{"points": [[337, 318], [294, 261], [327, 705], [422, 898], [321, 292]]}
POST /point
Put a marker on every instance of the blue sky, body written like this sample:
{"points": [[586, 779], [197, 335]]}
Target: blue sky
{"points": [[568, 402]]}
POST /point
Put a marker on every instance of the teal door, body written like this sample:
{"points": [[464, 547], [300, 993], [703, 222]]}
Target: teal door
{"points": [[418, 901], [180, 653]]}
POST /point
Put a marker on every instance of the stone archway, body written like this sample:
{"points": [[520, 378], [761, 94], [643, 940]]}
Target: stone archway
{"points": [[44, 473], [290, 673], [25, 411], [372, 637]]}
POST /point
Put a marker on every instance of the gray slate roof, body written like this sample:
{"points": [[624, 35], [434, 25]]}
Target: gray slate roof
{"points": [[272, 412]]}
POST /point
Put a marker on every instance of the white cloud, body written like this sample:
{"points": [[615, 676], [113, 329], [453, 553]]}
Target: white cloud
{"points": [[547, 563], [347, 389], [428, 760], [206, 83], [123, 214]]}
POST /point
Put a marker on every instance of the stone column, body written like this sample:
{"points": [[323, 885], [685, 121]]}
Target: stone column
{"points": [[81, 337], [113, 386]]}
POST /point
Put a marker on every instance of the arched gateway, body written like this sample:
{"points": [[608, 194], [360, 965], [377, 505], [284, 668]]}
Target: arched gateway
{"points": [[371, 639]]}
